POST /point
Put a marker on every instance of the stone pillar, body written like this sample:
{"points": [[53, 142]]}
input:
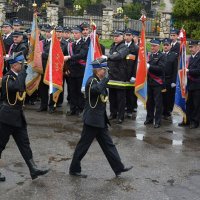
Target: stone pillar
{"points": [[2, 11], [107, 23], [165, 24], [52, 14]]}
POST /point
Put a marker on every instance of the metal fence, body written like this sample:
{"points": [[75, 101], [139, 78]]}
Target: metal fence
{"points": [[120, 24], [77, 20]]}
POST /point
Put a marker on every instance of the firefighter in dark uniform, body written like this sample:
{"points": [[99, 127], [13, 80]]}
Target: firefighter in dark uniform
{"points": [[12, 119], [86, 32], [174, 41], [118, 76], [193, 73], [77, 57], [43, 88], [8, 41], [136, 37], [68, 39], [171, 69], [155, 84], [131, 99], [18, 44], [17, 26], [59, 33], [96, 123], [7, 36]]}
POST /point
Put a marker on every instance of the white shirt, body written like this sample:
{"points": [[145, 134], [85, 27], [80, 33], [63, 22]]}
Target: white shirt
{"points": [[14, 72], [128, 44], [77, 41]]}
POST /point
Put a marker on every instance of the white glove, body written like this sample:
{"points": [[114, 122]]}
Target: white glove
{"points": [[132, 80], [187, 70], [148, 65], [173, 85], [104, 56]]}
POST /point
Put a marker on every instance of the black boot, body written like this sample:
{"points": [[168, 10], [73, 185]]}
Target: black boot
{"points": [[2, 178], [34, 171]]}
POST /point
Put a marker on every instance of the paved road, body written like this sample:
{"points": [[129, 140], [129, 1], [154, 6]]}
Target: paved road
{"points": [[166, 161]]}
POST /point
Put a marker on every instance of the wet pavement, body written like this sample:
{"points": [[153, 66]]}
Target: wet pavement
{"points": [[166, 161]]}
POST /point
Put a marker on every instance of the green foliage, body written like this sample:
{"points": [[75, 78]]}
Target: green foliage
{"points": [[133, 11], [106, 43], [83, 5], [187, 13]]}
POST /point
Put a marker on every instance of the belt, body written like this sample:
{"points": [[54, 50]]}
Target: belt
{"points": [[16, 107]]}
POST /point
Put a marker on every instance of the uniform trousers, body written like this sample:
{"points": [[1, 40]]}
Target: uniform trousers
{"points": [[131, 99], [44, 95], [20, 136], [154, 104], [193, 105], [117, 98], [168, 100], [46, 99], [77, 101], [106, 144]]}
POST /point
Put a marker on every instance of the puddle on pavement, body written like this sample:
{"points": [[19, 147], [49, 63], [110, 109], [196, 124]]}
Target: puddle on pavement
{"points": [[123, 132], [167, 137], [57, 159], [20, 183], [18, 164]]}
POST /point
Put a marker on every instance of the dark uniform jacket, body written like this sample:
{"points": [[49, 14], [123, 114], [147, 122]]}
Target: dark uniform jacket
{"points": [[19, 47], [171, 67], [176, 48], [194, 72], [64, 46], [95, 110], [132, 62], [80, 51], [156, 69], [117, 62], [8, 42], [12, 114], [45, 53]]}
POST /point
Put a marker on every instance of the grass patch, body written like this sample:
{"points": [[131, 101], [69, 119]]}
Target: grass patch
{"points": [[106, 43]]}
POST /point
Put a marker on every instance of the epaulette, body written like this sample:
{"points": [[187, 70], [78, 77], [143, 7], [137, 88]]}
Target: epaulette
{"points": [[12, 77]]}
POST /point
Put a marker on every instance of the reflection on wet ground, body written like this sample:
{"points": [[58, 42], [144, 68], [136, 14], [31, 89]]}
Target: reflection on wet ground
{"points": [[162, 138]]}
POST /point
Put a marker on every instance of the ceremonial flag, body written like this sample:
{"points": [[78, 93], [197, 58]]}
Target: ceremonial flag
{"points": [[141, 74], [54, 69], [34, 63], [181, 83], [2, 53], [94, 52]]}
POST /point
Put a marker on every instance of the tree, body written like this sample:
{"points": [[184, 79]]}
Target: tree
{"points": [[133, 11], [187, 13]]}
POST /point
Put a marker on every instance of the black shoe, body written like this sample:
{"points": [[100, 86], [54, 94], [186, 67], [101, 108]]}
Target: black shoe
{"points": [[183, 124], [52, 110], [70, 113], [41, 109], [78, 174], [148, 122], [34, 171], [59, 105], [123, 170], [194, 125], [112, 116], [119, 121], [156, 126], [2, 178], [129, 115]]}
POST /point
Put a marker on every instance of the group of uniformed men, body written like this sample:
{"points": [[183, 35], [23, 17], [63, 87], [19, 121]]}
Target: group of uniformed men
{"points": [[122, 63]]}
